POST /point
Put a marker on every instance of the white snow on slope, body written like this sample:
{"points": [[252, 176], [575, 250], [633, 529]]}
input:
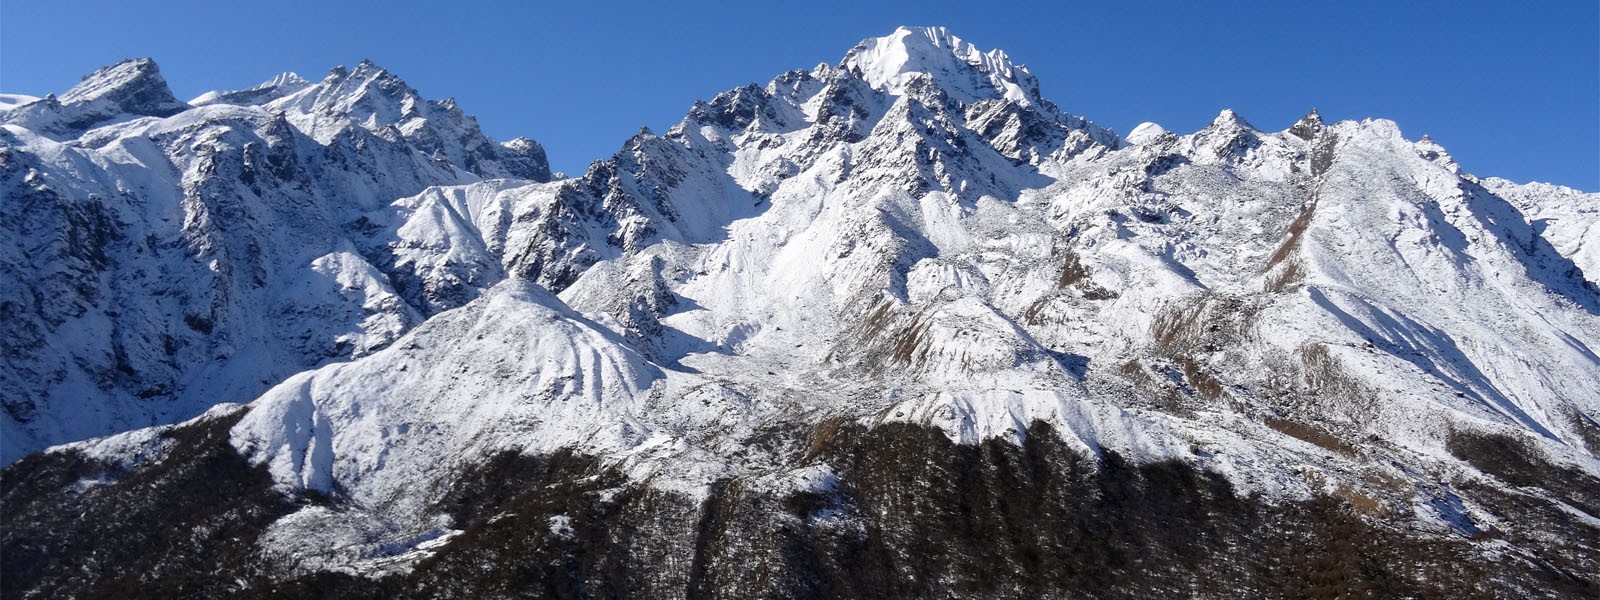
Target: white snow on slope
{"points": [[169, 258], [889, 63], [1568, 219], [917, 236], [279, 86], [1144, 133], [10, 101], [515, 371]]}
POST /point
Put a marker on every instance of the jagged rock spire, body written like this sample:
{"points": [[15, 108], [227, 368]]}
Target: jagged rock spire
{"points": [[1308, 126]]}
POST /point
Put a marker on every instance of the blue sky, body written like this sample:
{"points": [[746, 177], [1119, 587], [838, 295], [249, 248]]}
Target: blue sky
{"points": [[1511, 89]]}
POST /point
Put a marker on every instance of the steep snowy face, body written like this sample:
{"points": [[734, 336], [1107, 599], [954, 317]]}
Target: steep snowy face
{"points": [[1338, 275], [1567, 218], [966, 73], [131, 88], [945, 122], [514, 371], [134, 86], [11, 101], [166, 263], [372, 98], [843, 218], [897, 62], [1390, 281], [815, 184], [279, 86], [829, 185], [1298, 311], [1144, 133], [874, 227]]}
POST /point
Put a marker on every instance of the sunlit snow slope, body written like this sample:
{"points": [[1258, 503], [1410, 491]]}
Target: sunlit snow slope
{"points": [[164, 257], [913, 235]]}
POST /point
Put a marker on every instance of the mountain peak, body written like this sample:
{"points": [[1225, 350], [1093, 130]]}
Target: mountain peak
{"points": [[130, 88], [371, 97], [1231, 120], [889, 63], [282, 84], [134, 85], [1308, 126], [365, 91], [1430, 150], [286, 78], [366, 69], [1145, 133]]}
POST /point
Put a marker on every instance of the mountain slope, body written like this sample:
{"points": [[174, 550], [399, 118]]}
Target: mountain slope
{"points": [[171, 257], [900, 326]]}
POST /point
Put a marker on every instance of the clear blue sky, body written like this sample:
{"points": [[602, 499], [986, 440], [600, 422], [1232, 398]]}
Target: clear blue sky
{"points": [[1511, 89]]}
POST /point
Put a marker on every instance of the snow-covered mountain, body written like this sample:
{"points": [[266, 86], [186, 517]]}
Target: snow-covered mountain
{"points": [[165, 256], [894, 326]]}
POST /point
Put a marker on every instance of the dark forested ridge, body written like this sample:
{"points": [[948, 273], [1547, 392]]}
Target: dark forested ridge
{"points": [[911, 515]]}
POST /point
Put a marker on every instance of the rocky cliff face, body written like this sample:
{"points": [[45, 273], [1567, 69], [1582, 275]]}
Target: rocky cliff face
{"points": [[897, 326]]}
